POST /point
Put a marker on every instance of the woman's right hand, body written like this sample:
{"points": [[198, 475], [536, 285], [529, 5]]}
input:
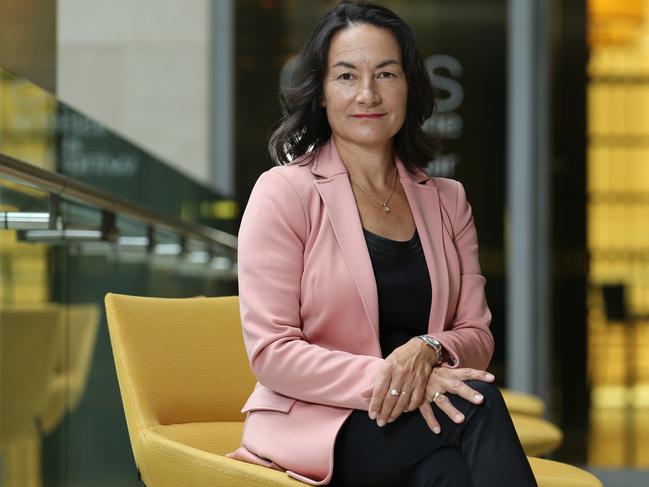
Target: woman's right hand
{"points": [[446, 379]]}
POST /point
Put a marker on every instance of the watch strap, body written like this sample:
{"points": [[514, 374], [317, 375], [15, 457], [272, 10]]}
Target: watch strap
{"points": [[434, 343]]}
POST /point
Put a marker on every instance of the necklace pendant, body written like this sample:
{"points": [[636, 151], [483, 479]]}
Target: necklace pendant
{"points": [[387, 209]]}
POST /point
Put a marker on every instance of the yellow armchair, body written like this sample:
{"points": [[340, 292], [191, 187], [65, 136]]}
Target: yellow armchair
{"points": [[538, 436], [522, 403], [184, 376]]}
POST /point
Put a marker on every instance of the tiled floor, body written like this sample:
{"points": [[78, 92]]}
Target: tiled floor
{"points": [[622, 478]]}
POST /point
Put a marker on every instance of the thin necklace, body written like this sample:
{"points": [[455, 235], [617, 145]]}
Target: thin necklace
{"points": [[386, 208]]}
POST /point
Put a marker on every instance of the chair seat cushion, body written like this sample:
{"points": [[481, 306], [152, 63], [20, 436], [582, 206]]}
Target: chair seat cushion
{"points": [[537, 435], [213, 437], [185, 454], [217, 438]]}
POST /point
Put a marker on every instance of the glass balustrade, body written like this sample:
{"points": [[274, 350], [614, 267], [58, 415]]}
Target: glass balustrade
{"points": [[62, 421]]}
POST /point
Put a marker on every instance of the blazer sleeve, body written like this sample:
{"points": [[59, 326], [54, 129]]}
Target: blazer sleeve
{"points": [[270, 263], [468, 340]]}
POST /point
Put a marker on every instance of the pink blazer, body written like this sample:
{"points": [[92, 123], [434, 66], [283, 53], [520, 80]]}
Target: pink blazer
{"points": [[309, 305]]}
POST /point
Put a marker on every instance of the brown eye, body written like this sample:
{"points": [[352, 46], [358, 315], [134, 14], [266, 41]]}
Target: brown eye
{"points": [[345, 76]]}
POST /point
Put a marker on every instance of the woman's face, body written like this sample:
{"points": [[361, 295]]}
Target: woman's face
{"points": [[365, 89]]}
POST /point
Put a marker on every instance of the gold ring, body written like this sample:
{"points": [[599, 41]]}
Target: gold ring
{"points": [[436, 396], [405, 393]]}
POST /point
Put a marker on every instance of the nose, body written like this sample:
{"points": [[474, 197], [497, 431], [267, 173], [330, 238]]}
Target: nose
{"points": [[367, 93]]}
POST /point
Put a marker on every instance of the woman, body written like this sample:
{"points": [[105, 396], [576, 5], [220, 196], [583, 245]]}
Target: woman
{"points": [[362, 302]]}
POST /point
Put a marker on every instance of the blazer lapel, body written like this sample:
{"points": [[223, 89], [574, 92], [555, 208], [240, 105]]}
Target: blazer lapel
{"points": [[423, 198], [427, 212], [338, 198]]}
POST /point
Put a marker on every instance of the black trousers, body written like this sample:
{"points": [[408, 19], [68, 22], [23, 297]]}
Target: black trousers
{"points": [[482, 451]]}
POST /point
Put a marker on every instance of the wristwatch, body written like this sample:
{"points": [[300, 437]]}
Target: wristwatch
{"points": [[433, 342]]}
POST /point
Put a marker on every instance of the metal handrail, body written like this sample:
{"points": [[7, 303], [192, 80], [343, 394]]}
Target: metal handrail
{"points": [[83, 193]]}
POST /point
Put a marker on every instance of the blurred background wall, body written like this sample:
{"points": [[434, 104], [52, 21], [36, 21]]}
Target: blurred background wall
{"points": [[28, 40], [148, 63]]}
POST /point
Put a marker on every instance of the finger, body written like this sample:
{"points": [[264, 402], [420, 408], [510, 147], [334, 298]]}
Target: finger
{"points": [[395, 376], [401, 405], [463, 390], [417, 396], [445, 404], [465, 374], [389, 403], [429, 417], [417, 390], [380, 390]]}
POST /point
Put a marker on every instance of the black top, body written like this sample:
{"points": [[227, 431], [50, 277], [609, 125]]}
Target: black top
{"points": [[403, 286]]}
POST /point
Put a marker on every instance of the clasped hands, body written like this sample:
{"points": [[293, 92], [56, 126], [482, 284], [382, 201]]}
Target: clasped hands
{"points": [[410, 368]]}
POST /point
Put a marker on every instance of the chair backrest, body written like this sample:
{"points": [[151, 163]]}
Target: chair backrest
{"points": [[30, 337], [178, 360]]}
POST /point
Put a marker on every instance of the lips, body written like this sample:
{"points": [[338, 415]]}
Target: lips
{"points": [[369, 115]]}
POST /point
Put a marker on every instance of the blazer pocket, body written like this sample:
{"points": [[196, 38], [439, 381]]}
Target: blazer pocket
{"points": [[266, 399]]}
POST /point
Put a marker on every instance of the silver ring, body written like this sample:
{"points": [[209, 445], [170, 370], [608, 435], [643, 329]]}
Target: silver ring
{"points": [[394, 392], [436, 396]]}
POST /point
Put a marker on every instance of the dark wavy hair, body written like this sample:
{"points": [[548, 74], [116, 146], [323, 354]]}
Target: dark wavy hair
{"points": [[304, 127]]}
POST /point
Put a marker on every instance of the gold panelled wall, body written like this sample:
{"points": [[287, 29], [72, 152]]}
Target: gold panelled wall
{"points": [[618, 233]]}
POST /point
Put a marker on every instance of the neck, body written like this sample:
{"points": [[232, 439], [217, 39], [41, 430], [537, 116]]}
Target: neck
{"points": [[371, 167]]}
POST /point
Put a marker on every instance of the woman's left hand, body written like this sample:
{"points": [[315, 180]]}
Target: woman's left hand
{"points": [[406, 369]]}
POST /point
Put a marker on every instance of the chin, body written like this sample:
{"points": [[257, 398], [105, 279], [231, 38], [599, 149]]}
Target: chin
{"points": [[368, 139]]}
